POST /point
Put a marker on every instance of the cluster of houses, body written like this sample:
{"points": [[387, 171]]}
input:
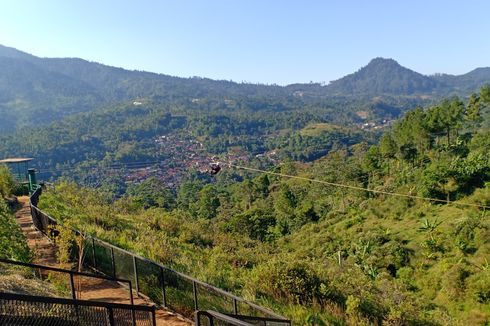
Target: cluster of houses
{"points": [[179, 156], [374, 125]]}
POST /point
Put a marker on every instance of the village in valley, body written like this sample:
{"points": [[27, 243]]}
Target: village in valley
{"points": [[180, 155]]}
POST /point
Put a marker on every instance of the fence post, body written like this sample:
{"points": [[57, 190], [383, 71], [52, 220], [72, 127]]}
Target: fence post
{"points": [[137, 284], [235, 306], [93, 254], [74, 296], [164, 296], [72, 285], [111, 316], [130, 292], [194, 286], [113, 263], [153, 317]]}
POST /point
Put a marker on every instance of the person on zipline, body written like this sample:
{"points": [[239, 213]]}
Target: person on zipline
{"points": [[215, 168]]}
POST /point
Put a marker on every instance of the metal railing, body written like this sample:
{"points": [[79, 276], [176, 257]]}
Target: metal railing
{"points": [[19, 309], [73, 276], [164, 286], [212, 318]]}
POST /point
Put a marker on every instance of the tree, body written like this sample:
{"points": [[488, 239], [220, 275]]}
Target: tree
{"points": [[188, 194], [485, 94], [255, 223], [473, 112], [446, 117], [387, 146], [152, 193], [261, 186], [284, 206], [208, 202], [412, 131]]}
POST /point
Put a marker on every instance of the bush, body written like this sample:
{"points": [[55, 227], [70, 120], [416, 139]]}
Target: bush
{"points": [[294, 282], [7, 183], [13, 244], [479, 287]]}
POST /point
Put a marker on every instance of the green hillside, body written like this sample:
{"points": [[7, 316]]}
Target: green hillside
{"points": [[323, 254]]}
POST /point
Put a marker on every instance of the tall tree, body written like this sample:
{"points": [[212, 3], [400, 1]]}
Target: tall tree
{"points": [[473, 111]]}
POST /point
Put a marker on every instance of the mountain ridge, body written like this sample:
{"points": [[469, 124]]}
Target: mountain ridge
{"points": [[36, 90], [376, 77], [375, 62]]}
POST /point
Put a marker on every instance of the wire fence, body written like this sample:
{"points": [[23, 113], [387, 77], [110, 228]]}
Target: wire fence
{"points": [[17, 309], [69, 283], [164, 286], [214, 318]]}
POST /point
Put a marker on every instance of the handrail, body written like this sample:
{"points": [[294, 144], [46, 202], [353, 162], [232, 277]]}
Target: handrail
{"points": [[219, 316], [187, 277], [71, 273], [23, 312], [163, 267], [61, 270], [35, 298], [263, 319]]}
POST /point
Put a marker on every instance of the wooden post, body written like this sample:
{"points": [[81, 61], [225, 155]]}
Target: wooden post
{"points": [[93, 254], [113, 263], [194, 287], [72, 285], [164, 296], [136, 276]]}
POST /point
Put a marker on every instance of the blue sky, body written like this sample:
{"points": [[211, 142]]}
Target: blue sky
{"points": [[265, 41]]}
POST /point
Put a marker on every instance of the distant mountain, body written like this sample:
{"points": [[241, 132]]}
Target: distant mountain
{"points": [[467, 82], [36, 91], [115, 84], [384, 76]]}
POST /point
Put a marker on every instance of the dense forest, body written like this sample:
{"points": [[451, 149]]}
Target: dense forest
{"points": [[38, 91], [323, 254], [126, 133]]}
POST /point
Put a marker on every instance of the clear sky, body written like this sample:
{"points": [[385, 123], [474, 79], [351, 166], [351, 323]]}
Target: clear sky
{"points": [[267, 41]]}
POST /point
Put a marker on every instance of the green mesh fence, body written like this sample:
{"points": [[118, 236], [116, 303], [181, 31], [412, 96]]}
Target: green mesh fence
{"points": [[150, 280], [210, 299], [88, 260], [179, 293], [103, 258], [124, 266]]}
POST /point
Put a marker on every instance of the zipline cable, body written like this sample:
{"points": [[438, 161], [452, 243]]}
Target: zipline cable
{"points": [[134, 165], [340, 185]]}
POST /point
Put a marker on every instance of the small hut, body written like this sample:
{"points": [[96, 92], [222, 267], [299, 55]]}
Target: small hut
{"points": [[19, 167]]}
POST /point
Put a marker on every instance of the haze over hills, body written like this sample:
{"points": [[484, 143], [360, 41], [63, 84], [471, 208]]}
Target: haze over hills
{"points": [[37, 90]]}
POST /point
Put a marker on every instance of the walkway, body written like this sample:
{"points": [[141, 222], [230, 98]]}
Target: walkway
{"points": [[93, 289]]}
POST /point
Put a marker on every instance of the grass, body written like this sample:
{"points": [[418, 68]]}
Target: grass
{"points": [[317, 129], [21, 280]]}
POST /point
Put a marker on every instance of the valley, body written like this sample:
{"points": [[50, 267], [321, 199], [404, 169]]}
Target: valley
{"points": [[359, 202]]}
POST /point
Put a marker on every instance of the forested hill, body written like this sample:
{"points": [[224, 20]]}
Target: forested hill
{"points": [[467, 82], [385, 76], [40, 90], [322, 254], [36, 91]]}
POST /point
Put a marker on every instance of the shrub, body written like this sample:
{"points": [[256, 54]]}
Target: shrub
{"points": [[7, 183], [295, 282]]}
